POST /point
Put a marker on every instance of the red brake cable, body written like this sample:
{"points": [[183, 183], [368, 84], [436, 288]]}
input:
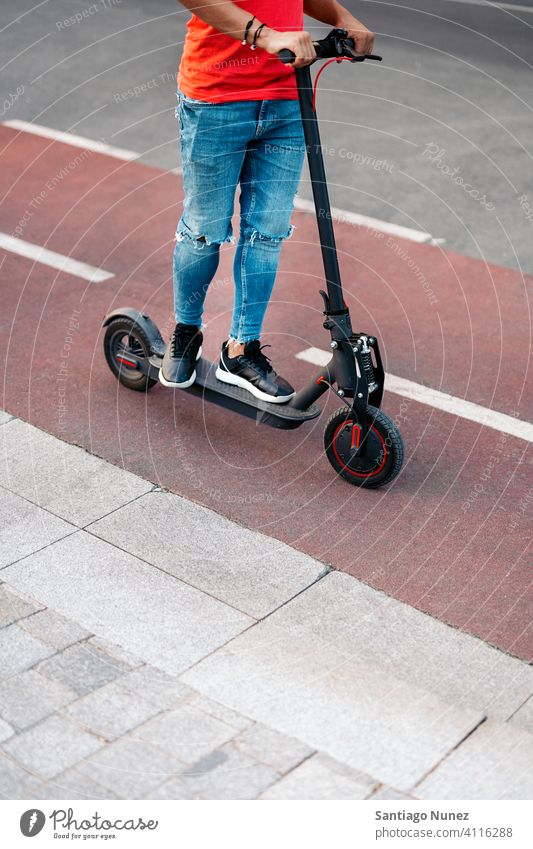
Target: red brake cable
{"points": [[324, 66]]}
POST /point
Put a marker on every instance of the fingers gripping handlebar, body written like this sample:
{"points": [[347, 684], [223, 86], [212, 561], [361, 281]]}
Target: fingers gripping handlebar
{"points": [[335, 45]]}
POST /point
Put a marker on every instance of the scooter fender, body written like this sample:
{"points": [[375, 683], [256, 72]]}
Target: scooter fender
{"points": [[151, 329]]}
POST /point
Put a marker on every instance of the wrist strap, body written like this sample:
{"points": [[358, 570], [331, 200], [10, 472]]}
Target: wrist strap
{"points": [[256, 34], [247, 30]]}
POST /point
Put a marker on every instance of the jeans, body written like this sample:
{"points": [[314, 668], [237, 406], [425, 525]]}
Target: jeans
{"points": [[259, 144]]}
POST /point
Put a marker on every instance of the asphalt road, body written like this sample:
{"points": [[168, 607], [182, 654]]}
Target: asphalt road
{"points": [[451, 101]]}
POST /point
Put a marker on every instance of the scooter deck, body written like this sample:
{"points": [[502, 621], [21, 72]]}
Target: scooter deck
{"points": [[239, 400]]}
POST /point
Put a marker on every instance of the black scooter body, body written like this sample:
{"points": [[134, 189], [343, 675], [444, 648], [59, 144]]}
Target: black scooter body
{"points": [[207, 386]]}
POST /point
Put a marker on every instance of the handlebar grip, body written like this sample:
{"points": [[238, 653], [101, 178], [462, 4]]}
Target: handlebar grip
{"points": [[350, 43], [286, 56]]}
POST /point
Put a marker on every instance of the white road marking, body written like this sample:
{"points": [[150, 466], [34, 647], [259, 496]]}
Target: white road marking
{"points": [[53, 259], [301, 204], [70, 138], [397, 385], [371, 223], [439, 400]]}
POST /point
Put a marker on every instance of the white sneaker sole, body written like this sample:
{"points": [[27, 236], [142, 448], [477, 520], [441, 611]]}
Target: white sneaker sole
{"points": [[235, 380], [186, 383]]}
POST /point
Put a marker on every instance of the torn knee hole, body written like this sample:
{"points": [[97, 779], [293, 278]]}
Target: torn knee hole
{"points": [[252, 235], [200, 241]]}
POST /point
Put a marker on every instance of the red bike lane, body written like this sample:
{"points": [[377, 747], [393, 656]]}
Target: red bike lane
{"points": [[449, 536]]}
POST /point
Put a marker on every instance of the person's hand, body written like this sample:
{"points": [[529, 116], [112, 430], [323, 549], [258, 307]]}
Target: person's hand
{"points": [[299, 42], [364, 39]]}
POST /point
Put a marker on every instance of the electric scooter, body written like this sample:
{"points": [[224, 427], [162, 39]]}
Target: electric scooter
{"points": [[361, 442]]}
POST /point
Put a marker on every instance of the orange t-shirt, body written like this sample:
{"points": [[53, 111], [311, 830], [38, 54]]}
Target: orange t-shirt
{"points": [[217, 68]]}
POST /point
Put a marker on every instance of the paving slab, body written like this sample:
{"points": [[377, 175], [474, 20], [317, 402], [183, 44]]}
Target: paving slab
{"points": [[331, 700], [61, 477], [6, 731], [5, 417], [220, 712], [13, 606], [130, 768], [28, 698], [25, 527], [160, 689], [110, 711], [398, 639], [15, 781], [496, 762], [523, 718], [55, 630], [50, 747], [226, 773], [277, 750], [119, 598], [185, 732], [72, 784], [389, 794], [250, 571], [19, 651], [83, 668], [118, 652], [321, 777]]}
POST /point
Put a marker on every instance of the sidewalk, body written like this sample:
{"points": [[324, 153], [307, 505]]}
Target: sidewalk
{"points": [[154, 649]]}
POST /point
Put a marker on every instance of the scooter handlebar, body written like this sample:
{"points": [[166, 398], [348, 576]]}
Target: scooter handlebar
{"points": [[286, 56], [336, 44]]}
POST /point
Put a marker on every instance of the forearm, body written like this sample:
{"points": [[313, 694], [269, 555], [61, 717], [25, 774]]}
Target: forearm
{"points": [[229, 19], [223, 15], [333, 13], [327, 11]]}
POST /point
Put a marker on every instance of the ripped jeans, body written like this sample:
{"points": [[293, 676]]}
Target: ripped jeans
{"points": [[258, 144]]}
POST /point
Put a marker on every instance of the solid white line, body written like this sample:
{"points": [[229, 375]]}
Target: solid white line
{"points": [[53, 259], [439, 400], [344, 215], [70, 138], [301, 204]]}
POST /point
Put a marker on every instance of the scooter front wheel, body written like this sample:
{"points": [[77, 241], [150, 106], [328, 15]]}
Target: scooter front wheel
{"points": [[122, 339], [383, 457]]}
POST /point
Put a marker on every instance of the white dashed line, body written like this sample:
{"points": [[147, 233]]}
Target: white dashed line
{"points": [[53, 259], [439, 400]]}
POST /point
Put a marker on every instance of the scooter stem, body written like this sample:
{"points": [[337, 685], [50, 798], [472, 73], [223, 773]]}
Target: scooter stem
{"points": [[320, 189]]}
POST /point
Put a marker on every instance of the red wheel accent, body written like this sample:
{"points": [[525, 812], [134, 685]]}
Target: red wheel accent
{"points": [[124, 340], [384, 455], [126, 362], [342, 463], [356, 436]]}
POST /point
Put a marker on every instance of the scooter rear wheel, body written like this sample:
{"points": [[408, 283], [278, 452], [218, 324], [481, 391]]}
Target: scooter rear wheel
{"points": [[123, 337], [381, 461]]}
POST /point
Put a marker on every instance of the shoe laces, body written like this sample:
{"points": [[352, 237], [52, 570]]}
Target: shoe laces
{"points": [[255, 357], [181, 340]]}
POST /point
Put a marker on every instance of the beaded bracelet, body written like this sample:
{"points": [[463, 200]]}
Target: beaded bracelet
{"points": [[247, 30], [256, 34]]}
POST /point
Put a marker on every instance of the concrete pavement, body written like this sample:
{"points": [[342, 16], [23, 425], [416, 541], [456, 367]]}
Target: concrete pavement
{"points": [[154, 649]]}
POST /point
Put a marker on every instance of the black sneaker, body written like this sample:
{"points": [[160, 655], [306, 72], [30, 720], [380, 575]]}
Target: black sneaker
{"points": [[183, 350], [252, 371]]}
